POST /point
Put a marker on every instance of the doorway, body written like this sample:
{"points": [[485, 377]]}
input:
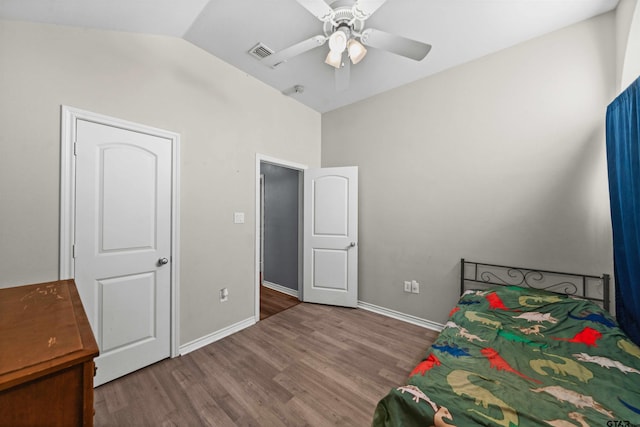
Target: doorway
{"points": [[279, 235], [327, 234], [280, 231]]}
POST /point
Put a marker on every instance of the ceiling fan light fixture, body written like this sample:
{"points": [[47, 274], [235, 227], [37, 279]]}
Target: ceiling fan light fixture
{"points": [[338, 41], [334, 59], [356, 51]]}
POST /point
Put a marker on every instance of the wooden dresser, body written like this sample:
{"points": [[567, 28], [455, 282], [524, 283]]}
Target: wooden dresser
{"points": [[46, 357]]}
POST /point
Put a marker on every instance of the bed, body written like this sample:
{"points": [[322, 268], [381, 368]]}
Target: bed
{"points": [[523, 347]]}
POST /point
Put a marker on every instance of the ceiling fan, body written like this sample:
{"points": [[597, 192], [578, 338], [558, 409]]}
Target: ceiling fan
{"points": [[344, 29]]}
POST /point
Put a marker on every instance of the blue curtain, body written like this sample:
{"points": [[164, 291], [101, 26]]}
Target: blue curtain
{"points": [[623, 159]]}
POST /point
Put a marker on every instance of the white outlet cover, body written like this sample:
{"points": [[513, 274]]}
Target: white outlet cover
{"points": [[238, 218]]}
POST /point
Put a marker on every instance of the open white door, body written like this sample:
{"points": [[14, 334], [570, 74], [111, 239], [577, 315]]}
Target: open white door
{"points": [[331, 236]]}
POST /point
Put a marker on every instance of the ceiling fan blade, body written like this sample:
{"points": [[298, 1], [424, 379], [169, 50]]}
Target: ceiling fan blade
{"points": [[318, 8], [395, 44], [343, 74], [277, 58], [365, 8]]}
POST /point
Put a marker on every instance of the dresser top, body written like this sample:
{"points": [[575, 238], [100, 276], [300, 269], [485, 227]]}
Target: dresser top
{"points": [[42, 326]]}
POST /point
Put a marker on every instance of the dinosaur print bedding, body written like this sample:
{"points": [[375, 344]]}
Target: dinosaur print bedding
{"points": [[512, 356]]}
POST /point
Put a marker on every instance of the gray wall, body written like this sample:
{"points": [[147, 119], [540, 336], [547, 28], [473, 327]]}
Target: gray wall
{"points": [[158, 81], [281, 203], [498, 160]]}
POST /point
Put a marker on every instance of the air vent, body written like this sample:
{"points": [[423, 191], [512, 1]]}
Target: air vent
{"points": [[260, 51]]}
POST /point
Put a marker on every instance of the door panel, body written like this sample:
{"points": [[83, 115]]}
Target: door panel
{"points": [[128, 180], [330, 191], [128, 310], [331, 236], [329, 267], [123, 229]]}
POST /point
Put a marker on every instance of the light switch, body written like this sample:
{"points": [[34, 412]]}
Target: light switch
{"points": [[415, 287], [238, 217]]}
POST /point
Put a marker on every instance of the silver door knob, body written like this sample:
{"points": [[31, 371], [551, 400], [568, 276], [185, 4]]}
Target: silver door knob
{"points": [[163, 261], [352, 244]]}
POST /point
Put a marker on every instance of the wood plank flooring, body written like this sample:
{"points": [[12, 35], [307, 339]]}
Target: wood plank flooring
{"points": [[311, 365], [273, 302]]}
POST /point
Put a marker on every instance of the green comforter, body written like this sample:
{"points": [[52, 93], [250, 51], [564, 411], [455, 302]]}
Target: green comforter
{"points": [[511, 356]]}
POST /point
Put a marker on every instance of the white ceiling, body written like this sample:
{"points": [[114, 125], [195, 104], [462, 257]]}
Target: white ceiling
{"points": [[458, 30]]}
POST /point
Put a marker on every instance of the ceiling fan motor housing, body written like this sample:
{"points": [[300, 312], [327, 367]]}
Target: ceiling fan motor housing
{"points": [[342, 18]]}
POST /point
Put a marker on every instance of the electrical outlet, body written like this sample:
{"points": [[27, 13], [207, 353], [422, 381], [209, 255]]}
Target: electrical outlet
{"points": [[407, 286], [224, 294], [415, 287]]}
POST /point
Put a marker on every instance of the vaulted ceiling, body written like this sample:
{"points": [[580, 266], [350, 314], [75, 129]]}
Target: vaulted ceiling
{"points": [[458, 30]]}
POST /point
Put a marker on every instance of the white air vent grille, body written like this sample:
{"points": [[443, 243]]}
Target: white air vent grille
{"points": [[260, 51]]}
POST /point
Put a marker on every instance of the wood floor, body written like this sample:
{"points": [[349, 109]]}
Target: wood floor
{"points": [[273, 302], [311, 365]]}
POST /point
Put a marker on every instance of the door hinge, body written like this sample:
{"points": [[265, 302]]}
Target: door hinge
{"points": [[73, 251], [75, 148]]}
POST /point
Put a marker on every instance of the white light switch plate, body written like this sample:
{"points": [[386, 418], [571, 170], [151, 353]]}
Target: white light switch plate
{"points": [[238, 217], [415, 287]]}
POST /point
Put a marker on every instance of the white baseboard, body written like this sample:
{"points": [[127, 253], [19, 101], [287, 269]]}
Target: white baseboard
{"points": [[215, 336], [280, 288], [401, 316]]}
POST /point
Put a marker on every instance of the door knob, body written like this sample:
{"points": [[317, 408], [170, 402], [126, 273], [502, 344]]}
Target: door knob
{"points": [[163, 261], [352, 244]]}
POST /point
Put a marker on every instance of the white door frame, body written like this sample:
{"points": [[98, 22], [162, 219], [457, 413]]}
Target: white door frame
{"points": [[261, 158], [69, 119]]}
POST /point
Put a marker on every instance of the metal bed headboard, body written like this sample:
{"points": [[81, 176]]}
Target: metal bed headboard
{"points": [[594, 288]]}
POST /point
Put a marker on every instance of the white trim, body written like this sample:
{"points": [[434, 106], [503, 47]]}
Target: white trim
{"points": [[69, 117], [261, 228], [278, 162], [67, 192], [414, 320], [215, 336], [280, 288]]}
